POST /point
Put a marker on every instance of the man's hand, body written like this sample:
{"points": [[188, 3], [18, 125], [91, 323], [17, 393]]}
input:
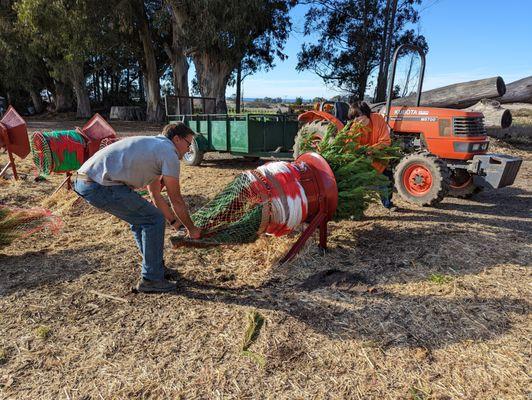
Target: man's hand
{"points": [[194, 233], [178, 204]]}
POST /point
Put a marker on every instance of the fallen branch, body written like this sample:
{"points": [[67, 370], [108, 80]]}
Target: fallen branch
{"points": [[108, 296]]}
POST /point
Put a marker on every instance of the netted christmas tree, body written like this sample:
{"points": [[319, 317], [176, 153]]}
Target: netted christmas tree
{"points": [[271, 199], [268, 200]]}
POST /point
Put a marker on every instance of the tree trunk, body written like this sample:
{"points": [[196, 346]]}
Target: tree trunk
{"points": [[77, 78], [238, 88], [518, 92], [459, 95], [128, 86], [154, 110], [180, 68], [381, 91], [381, 76], [212, 79], [62, 97], [102, 86], [37, 100], [142, 92], [407, 81], [180, 65], [494, 115]]}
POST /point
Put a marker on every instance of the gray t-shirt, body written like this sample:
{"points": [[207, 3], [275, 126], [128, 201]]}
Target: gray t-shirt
{"points": [[135, 161]]}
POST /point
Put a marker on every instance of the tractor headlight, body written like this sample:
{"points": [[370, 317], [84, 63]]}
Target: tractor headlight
{"points": [[468, 147]]}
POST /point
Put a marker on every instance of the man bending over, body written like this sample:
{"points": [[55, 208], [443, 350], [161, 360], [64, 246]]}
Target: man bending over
{"points": [[107, 179]]}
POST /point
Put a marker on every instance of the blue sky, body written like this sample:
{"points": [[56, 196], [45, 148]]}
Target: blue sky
{"points": [[468, 39]]}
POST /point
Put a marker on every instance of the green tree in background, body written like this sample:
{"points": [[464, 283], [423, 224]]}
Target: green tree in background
{"points": [[65, 33], [21, 70], [350, 40], [220, 34]]}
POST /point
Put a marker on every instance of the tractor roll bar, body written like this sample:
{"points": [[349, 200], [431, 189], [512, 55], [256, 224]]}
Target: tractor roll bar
{"points": [[392, 76]]}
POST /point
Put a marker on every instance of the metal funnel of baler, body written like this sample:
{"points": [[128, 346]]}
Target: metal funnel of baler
{"points": [[14, 137], [273, 199]]}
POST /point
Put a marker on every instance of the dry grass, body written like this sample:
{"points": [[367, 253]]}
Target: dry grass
{"points": [[425, 303]]}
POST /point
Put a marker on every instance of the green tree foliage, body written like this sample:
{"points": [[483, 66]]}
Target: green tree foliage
{"points": [[350, 40], [22, 71], [359, 183], [66, 33], [219, 34]]}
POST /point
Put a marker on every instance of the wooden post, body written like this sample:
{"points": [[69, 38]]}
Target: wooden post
{"points": [[12, 163], [67, 181]]}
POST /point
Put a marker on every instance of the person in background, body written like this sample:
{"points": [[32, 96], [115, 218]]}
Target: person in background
{"points": [[107, 179], [376, 133]]}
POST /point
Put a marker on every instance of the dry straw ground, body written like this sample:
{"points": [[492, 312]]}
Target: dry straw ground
{"points": [[425, 303]]}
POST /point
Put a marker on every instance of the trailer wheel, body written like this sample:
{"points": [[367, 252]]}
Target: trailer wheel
{"points": [[195, 156], [422, 179], [462, 185], [316, 130]]}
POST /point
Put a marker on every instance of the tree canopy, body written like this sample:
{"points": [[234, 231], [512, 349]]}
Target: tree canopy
{"points": [[92, 54], [351, 33]]}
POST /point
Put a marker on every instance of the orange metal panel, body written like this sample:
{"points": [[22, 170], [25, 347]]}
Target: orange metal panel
{"points": [[310, 116]]}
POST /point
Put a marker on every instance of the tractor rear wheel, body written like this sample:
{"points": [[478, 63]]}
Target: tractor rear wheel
{"points": [[316, 130], [422, 179], [462, 185]]}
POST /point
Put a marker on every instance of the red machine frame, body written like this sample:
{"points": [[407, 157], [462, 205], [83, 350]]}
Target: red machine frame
{"points": [[14, 136]]}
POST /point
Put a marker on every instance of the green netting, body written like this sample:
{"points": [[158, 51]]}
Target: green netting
{"points": [[235, 215]]}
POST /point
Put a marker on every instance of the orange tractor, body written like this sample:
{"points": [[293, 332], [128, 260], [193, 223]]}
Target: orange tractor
{"points": [[445, 150]]}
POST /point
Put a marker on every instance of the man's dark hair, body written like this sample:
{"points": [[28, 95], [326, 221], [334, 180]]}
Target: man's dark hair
{"points": [[357, 109], [177, 129]]}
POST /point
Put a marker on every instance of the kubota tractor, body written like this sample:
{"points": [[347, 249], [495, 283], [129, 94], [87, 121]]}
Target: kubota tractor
{"points": [[445, 150]]}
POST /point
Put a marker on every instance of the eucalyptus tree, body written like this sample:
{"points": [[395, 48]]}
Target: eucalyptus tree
{"points": [[219, 34], [20, 68], [148, 20], [66, 33], [351, 39]]}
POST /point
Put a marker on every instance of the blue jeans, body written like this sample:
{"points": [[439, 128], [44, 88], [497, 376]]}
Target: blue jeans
{"points": [[147, 221], [386, 197]]}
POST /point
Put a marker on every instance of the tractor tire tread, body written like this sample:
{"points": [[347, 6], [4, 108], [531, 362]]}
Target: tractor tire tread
{"points": [[317, 127], [442, 181]]}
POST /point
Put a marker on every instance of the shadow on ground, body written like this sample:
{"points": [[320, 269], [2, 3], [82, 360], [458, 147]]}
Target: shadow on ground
{"points": [[39, 268], [379, 316], [490, 203]]}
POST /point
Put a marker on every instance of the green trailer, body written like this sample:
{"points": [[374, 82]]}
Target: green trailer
{"points": [[248, 135]]}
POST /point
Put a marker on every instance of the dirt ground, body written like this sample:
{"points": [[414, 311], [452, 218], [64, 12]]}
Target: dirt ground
{"points": [[422, 303]]}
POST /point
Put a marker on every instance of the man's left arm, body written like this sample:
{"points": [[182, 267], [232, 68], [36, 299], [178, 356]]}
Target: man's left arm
{"points": [[179, 206], [154, 189]]}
